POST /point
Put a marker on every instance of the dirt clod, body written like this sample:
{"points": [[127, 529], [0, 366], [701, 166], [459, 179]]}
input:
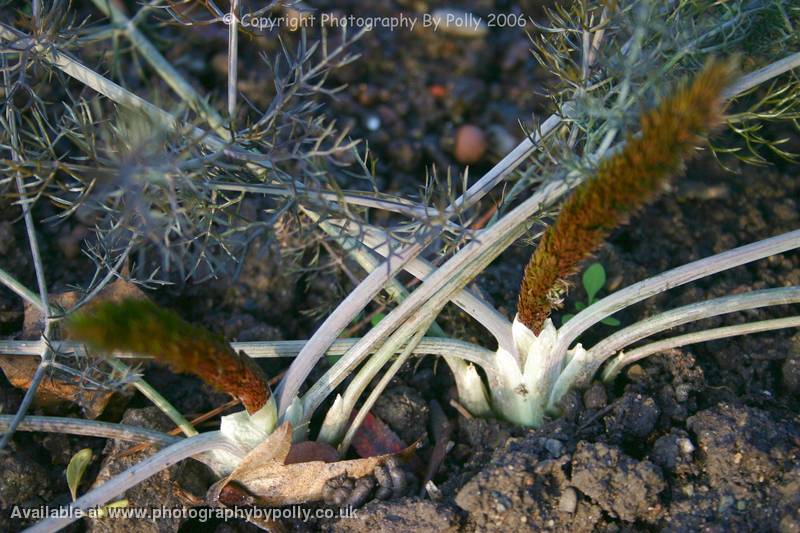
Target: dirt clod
{"points": [[404, 410], [399, 516], [619, 484], [673, 451], [595, 396], [633, 416]]}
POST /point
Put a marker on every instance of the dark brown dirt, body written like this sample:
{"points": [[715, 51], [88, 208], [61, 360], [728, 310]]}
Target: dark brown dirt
{"points": [[702, 438]]}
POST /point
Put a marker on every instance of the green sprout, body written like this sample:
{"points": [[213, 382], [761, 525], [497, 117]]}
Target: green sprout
{"points": [[75, 470], [593, 280]]}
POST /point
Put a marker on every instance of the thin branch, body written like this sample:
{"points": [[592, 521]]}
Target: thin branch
{"points": [[21, 290], [691, 313], [164, 68], [113, 272], [384, 201], [33, 242], [233, 57], [27, 400], [755, 78]]}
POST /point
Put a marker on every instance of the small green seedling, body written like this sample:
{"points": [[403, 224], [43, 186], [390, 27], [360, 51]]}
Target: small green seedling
{"points": [[75, 470], [594, 278]]}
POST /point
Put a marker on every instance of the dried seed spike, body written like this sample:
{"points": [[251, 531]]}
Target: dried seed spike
{"points": [[140, 326], [623, 183]]}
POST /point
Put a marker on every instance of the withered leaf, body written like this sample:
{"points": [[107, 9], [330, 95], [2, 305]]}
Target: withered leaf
{"points": [[264, 476]]}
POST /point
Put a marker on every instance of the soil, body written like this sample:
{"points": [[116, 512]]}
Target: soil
{"points": [[705, 437]]}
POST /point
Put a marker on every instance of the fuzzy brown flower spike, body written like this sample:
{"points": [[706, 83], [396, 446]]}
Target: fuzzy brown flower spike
{"points": [[624, 182], [140, 326]]}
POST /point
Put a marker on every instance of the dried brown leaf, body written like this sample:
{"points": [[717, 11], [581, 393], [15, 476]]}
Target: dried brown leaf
{"points": [[264, 478]]}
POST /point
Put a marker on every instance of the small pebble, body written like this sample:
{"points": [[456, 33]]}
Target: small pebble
{"points": [[373, 123], [636, 373], [568, 503], [470, 144], [685, 446], [682, 392], [554, 447], [595, 396]]}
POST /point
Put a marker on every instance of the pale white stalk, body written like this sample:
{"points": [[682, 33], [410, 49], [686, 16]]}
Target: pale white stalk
{"points": [[518, 387], [583, 365], [88, 428], [334, 427], [489, 317], [117, 485], [455, 273], [275, 349], [695, 270], [625, 358], [428, 310], [691, 313], [471, 391], [343, 315], [247, 430], [387, 376], [374, 282]]}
